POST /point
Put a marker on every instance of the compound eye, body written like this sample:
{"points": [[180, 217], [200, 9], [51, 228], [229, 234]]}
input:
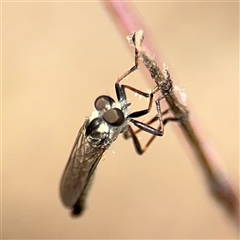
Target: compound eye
{"points": [[114, 117], [103, 103]]}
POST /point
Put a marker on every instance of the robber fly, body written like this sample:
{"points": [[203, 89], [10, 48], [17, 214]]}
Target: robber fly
{"points": [[98, 132]]}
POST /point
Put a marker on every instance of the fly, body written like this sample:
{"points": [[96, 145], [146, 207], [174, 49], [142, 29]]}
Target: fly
{"points": [[98, 132]]}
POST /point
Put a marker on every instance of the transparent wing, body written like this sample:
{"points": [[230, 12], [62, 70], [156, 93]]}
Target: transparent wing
{"points": [[82, 162]]}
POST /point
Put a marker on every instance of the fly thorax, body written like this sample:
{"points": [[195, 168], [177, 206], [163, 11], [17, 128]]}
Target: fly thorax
{"points": [[96, 132]]}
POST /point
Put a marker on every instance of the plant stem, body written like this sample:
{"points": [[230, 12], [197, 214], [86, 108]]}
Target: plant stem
{"points": [[218, 182]]}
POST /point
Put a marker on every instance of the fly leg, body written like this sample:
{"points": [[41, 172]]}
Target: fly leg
{"points": [[133, 134], [119, 90]]}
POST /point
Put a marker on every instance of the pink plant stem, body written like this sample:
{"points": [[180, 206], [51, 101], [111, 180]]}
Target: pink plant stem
{"points": [[219, 183]]}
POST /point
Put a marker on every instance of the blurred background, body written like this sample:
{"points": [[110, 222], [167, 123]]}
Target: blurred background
{"points": [[57, 57]]}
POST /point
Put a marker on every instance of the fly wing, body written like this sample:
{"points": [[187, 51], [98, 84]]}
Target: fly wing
{"points": [[80, 167]]}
